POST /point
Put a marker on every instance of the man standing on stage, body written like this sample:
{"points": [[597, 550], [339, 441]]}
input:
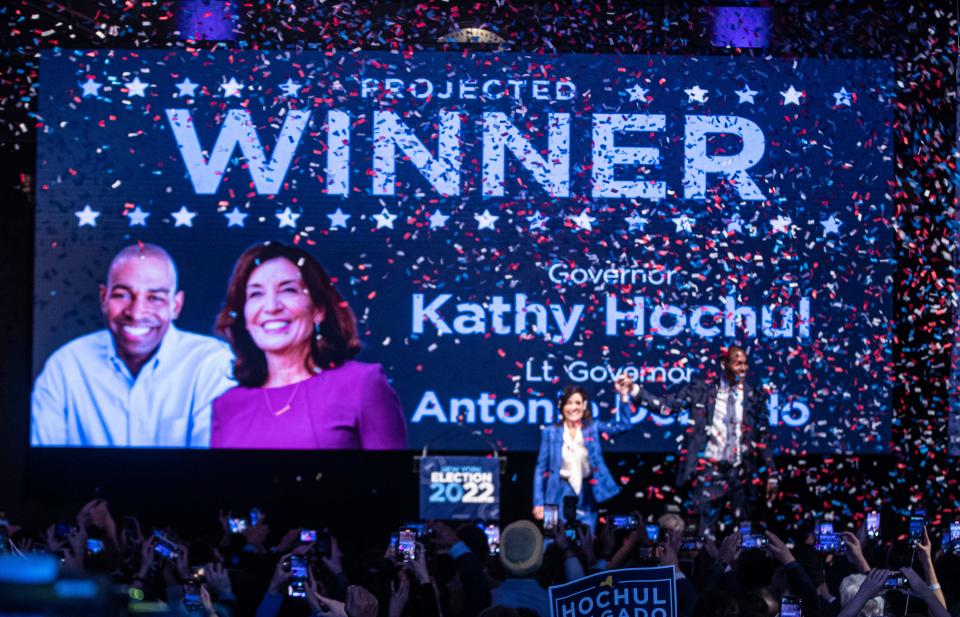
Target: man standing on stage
{"points": [[724, 453]]}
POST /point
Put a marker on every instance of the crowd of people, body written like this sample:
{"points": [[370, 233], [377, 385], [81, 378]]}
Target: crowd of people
{"points": [[243, 567]]}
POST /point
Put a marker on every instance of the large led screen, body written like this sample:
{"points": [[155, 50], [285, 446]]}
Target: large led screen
{"points": [[501, 225]]}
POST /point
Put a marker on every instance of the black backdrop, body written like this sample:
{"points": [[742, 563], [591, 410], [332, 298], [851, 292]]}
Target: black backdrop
{"points": [[351, 490]]}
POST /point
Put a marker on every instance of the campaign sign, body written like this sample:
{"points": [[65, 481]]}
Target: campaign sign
{"points": [[503, 225], [459, 488], [631, 592]]}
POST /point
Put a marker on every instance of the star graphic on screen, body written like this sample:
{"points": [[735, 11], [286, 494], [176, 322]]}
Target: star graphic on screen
{"points": [[138, 217], [745, 94], [683, 223], [791, 96], [734, 224], [91, 87], [290, 87], [637, 93], [385, 219], [781, 224], [842, 98], [584, 220], [538, 221], [696, 94], [231, 88], [87, 216], [831, 225], [235, 217], [136, 87], [635, 222], [287, 218], [338, 219], [186, 87], [183, 217], [438, 219], [486, 220]]}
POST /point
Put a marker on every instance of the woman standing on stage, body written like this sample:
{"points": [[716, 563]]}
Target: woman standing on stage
{"points": [[570, 462]]}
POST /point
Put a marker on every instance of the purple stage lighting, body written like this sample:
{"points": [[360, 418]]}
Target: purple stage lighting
{"points": [[207, 20], [740, 26]]}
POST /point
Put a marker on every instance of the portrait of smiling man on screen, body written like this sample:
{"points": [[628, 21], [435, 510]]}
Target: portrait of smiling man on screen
{"points": [[140, 382]]}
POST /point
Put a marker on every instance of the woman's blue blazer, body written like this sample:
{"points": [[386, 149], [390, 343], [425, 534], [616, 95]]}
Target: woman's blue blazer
{"points": [[547, 483]]}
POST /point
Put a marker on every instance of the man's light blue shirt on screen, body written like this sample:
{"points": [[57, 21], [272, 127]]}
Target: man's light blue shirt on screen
{"points": [[86, 395]]}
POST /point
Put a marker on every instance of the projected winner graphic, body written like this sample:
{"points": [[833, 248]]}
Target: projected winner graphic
{"points": [[502, 225]]}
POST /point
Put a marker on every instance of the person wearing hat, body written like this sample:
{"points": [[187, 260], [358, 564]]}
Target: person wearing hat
{"points": [[521, 555]]}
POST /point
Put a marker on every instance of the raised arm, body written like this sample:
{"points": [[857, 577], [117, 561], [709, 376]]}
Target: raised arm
{"points": [[621, 423], [871, 586], [631, 391], [929, 593], [925, 556]]}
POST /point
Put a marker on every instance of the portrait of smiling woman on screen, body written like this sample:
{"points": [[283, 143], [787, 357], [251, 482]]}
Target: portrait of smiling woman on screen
{"points": [[294, 338]]}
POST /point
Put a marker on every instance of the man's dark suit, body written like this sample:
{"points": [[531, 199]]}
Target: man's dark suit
{"points": [[699, 399]]}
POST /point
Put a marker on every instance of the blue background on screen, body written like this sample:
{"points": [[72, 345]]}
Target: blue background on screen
{"points": [[820, 236]]}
